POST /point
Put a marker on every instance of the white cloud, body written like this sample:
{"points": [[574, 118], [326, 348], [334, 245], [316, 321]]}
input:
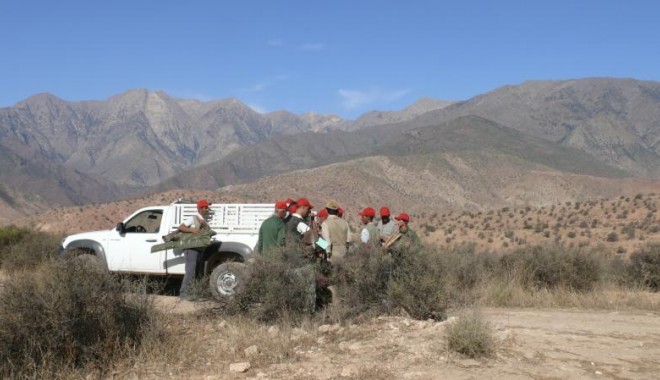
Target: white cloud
{"points": [[352, 99], [312, 46]]}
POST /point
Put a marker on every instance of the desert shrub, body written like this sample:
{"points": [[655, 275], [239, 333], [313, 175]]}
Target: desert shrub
{"points": [[470, 335], [465, 268], [417, 285], [644, 266], [22, 248], [629, 230], [281, 285], [553, 266], [11, 235], [612, 237], [31, 251], [66, 315], [364, 282]]}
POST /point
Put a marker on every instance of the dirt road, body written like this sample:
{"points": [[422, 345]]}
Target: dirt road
{"points": [[531, 344]]}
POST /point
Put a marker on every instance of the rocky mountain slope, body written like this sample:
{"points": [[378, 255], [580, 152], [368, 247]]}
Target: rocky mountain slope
{"points": [[615, 120], [139, 142]]}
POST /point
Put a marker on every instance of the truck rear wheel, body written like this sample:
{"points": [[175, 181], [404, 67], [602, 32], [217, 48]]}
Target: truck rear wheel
{"points": [[228, 279]]}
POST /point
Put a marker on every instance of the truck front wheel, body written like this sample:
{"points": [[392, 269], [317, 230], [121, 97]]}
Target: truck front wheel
{"points": [[228, 279]]}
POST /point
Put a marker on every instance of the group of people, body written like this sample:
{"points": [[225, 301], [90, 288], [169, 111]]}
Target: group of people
{"points": [[325, 236], [326, 233], [322, 235]]}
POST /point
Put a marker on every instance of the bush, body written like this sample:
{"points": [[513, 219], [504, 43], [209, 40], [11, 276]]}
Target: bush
{"points": [[64, 315], [281, 285], [417, 285], [553, 266], [612, 237], [12, 235], [29, 251], [366, 277], [644, 267], [470, 335], [21, 248]]}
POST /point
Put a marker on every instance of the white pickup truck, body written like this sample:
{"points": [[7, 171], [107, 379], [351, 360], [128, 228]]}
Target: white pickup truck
{"points": [[127, 248]]}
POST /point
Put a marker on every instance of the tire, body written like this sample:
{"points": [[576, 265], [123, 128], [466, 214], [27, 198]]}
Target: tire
{"points": [[228, 279]]}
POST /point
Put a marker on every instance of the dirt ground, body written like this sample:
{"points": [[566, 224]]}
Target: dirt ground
{"points": [[531, 344]]}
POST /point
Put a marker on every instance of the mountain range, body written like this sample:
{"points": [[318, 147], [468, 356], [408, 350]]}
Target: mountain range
{"points": [[57, 153]]}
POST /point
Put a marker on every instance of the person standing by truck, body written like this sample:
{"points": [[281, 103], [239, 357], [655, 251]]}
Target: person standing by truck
{"points": [[195, 224], [272, 232]]}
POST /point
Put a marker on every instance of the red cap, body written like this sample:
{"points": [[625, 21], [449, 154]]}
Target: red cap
{"points": [[368, 212], [289, 201], [203, 203], [293, 208], [323, 213], [281, 205], [304, 202], [403, 216], [384, 211]]}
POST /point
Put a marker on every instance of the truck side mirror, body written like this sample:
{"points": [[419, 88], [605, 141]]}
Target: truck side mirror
{"points": [[121, 228]]}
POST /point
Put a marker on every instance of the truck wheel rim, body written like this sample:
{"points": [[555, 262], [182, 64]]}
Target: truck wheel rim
{"points": [[227, 283]]}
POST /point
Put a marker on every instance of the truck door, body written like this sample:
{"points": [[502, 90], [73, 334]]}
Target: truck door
{"points": [[130, 251]]}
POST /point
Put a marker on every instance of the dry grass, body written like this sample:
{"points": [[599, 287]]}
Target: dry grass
{"points": [[211, 343], [606, 296]]}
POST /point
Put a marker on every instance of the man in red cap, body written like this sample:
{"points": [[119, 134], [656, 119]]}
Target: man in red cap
{"points": [[369, 233], [290, 209], [408, 241], [272, 232], [195, 225], [386, 226], [297, 225], [336, 232]]}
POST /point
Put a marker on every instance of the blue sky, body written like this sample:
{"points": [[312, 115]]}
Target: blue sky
{"points": [[341, 57]]}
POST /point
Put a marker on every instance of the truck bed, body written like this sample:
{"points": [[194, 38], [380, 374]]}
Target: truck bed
{"points": [[244, 218]]}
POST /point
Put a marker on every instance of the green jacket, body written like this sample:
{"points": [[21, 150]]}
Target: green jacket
{"points": [[183, 240], [409, 242], [272, 234]]}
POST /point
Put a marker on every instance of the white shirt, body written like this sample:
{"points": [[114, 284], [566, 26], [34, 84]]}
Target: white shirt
{"points": [[190, 222], [301, 227], [364, 235]]}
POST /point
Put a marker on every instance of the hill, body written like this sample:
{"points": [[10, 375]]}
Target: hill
{"points": [[63, 153]]}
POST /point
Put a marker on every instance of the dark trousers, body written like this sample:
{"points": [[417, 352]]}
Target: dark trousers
{"points": [[191, 265]]}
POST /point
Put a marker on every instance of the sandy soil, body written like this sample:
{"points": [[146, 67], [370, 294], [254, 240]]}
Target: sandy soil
{"points": [[531, 344]]}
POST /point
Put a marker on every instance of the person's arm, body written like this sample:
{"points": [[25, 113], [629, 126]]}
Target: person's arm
{"points": [[281, 235], [302, 227], [364, 235], [187, 226]]}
